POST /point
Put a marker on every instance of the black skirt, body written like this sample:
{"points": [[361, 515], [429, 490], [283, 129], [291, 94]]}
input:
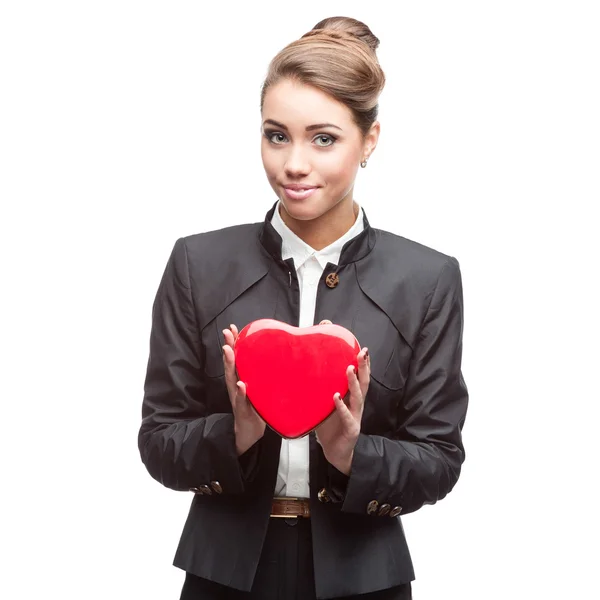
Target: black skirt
{"points": [[285, 571]]}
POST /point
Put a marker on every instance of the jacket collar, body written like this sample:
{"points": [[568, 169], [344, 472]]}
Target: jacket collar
{"points": [[354, 249], [296, 248]]}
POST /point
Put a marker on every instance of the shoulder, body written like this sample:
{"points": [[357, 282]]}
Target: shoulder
{"points": [[219, 265], [400, 258], [221, 243], [409, 253], [198, 252], [402, 276]]}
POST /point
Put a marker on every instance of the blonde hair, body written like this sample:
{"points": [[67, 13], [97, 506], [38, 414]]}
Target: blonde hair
{"points": [[338, 57]]}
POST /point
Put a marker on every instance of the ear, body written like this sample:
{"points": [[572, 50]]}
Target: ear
{"points": [[371, 139]]}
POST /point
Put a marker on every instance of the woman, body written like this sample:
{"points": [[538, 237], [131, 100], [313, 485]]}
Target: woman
{"points": [[395, 446]]}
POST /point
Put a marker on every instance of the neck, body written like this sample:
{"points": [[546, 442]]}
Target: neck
{"points": [[324, 230]]}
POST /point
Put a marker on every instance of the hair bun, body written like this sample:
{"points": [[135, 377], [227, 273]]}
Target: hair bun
{"points": [[345, 27], [338, 58]]}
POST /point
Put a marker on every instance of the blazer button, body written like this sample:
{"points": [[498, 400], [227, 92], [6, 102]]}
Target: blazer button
{"points": [[216, 486], [332, 280], [204, 489], [384, 510], [395, 511], [372, 507], [323, 495], [195, 490]]}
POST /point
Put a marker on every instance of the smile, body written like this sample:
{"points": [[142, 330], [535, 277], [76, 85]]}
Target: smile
{"points": [[299, 194]]}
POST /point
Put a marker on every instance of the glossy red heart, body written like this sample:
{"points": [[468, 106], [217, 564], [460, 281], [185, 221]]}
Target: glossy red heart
{"points": [[292, 373]]}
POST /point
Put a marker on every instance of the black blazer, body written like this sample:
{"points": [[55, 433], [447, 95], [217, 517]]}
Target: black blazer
{"points": [[404, 302]]}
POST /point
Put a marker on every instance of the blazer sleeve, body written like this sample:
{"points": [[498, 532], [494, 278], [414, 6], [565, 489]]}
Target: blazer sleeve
{"points": [[180, 443], [422, 463]]}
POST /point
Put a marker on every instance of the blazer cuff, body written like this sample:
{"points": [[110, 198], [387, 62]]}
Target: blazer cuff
{"points": [[365, 493], [337, 484], [249, 461], [223, 462]]}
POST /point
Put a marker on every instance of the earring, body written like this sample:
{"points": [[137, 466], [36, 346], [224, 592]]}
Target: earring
{"points": [[363, 164]]}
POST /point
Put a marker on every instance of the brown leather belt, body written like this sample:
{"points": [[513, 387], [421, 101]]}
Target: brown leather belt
{"points": [[290, 507]]}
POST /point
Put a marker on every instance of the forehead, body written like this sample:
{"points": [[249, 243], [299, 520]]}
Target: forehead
{"points": [[294, 103]]}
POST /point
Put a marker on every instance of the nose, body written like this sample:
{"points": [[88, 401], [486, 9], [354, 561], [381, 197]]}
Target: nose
{"points": [[296, 164]]}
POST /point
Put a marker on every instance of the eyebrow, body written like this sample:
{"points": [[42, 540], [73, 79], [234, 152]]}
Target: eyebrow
{"points": [[309, 128]]}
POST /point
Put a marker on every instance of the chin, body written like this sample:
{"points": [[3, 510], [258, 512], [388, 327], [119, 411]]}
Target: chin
{"points": [[303, 211]]}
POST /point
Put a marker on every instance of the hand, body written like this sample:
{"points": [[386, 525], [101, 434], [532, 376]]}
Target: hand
{"points": [[339, 433], [248, 425]]}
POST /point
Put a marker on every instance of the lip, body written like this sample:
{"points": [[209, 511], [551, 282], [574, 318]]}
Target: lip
{"points": [[299, 194], [299, 186]]}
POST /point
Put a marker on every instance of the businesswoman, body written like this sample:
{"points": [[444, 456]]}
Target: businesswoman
{"points": [[318, 517]]}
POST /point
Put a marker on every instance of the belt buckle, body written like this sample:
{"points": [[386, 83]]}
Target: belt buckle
{"points": [[284, 498], [287, 516]]}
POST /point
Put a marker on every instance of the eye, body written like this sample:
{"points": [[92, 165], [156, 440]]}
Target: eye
{"points": [[278, 138], [327, 138], [272, 134]]}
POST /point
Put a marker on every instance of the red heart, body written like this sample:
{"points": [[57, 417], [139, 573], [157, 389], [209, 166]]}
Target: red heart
{"points": [[292, 373]]}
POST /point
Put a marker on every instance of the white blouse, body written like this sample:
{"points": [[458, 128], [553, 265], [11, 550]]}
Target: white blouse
{"points": [[293, 472]]}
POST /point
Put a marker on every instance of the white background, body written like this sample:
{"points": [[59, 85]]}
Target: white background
{"points": [[127, 124]]}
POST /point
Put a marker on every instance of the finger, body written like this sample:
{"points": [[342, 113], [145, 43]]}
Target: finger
{"points": [[235, 331], [364, 370], [356, 396], [230, 374], [229, 358], [240, 389], [347, 419], [363, 358], [229, 338], [243, 402], [353, 384], [238, 397], [325, 322]]}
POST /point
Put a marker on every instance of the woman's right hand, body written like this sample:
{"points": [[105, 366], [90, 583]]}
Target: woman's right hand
{"points": [[249, 426]]}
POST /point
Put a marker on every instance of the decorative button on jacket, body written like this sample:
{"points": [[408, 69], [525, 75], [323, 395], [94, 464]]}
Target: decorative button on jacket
{"points": [[404, 302]]}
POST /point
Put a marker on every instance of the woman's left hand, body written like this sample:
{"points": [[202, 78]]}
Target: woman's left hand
{"points": [[339, 433]]}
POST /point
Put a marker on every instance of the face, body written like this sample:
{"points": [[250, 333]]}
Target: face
{"points": [[311, 141]]}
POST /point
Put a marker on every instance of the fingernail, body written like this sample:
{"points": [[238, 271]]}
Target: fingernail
{"points": [[366, 353]]}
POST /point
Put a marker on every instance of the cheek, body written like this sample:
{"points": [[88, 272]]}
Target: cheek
{"points": [[269, 164], [263, 153], [339, 170]]}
